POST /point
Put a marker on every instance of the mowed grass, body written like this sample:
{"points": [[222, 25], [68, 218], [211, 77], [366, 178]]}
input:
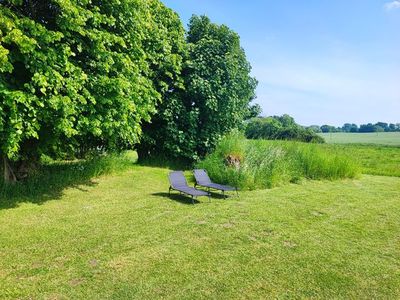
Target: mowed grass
{"points": [[379, 138], [121, 237]]}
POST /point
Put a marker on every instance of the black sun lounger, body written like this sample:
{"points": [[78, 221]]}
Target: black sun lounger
{"points": [[178, 183], [203, 180]]}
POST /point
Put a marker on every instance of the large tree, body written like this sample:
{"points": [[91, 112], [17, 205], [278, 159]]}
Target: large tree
{"points": [[215, 98], [80, 76]]}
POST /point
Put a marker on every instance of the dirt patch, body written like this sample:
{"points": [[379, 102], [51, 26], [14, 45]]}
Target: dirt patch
{"points": [[289, 244], [93, 263], [228, 225], [317, 213], [201, 222], [76, 281]]}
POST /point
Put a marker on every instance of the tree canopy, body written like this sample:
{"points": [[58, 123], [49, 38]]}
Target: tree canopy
{"points": [[80, 76], [215, 98]]}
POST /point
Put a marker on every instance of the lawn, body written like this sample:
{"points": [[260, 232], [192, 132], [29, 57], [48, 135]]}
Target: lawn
{"points": [[380, 138], [120, 236]]}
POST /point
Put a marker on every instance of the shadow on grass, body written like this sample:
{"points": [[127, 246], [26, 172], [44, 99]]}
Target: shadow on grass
{"points": [[178, 198], [50, 180], [217, 195], [184, 199], [162, 162]]}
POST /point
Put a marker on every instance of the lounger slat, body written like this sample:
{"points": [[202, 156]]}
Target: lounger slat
{"points": [[202, 179], [220, 187], [178, 182], [191, 191]]}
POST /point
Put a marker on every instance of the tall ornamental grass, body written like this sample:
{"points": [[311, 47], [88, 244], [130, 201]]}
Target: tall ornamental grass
{"points": [[265, 164]]}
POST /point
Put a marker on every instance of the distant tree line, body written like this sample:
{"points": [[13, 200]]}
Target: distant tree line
{"points": [[280, 128], [347, 127]]}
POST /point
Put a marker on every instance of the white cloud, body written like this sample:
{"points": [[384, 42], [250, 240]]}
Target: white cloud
{"points": [[392, 5]]}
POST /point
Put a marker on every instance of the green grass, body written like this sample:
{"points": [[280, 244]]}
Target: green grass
{"points": [[265, 164], [374, 159], [120, 236], [50, 179], [380, 138]]}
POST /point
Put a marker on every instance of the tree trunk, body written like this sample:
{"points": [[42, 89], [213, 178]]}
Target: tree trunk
{"points": [[142, 153], [9, 176]]}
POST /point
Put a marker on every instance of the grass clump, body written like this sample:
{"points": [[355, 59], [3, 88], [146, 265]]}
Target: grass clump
{"points": [[265, 164]]}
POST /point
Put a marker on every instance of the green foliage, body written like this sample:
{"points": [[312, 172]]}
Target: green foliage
{"points": [[81, 76], [265, 164], [364, 128], [329, 128], [347, 127], [254, 111], [263, 128], [280, 128], [315, 128], [215, 99]]}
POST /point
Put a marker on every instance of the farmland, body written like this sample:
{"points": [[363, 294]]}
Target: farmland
{"points": [[379, 138], [374, 159], [377, 153]]}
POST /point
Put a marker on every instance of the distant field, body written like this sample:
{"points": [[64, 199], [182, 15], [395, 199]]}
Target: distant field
{"points": [[380, 138], [374, 159]]}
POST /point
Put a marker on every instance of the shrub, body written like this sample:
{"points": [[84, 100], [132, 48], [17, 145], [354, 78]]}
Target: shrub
{"points": [[265, 164], [280, 128]]}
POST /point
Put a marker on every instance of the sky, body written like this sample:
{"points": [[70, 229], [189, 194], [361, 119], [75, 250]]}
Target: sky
{"points": [[320, 61]]}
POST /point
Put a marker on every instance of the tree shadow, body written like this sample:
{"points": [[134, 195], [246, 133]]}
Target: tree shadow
{"points": [[216, 195], [50, 180], [183, 199], [163, 162]]}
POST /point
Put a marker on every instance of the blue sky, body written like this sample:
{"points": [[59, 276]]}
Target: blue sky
{"points": [[321, 61]]}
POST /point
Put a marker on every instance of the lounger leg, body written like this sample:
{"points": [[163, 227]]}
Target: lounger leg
{"points": [[192, 199], [237, 193], [169, 191], [223, 194]]}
